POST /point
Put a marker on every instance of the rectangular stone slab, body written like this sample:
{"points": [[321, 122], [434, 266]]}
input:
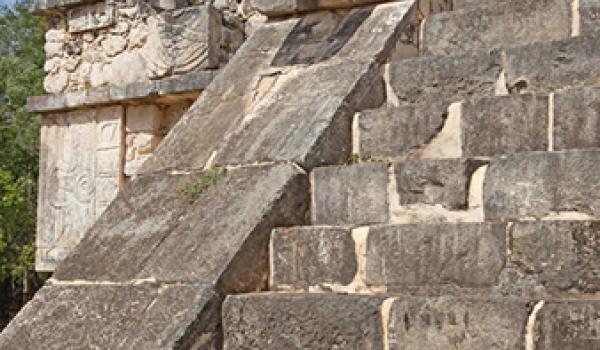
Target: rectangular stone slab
{"points": [[456, 323], [302, 257], [577, 118], [302, 321], [491, 126], [538, 184], [499, 24], [430, 256], [554, 64], [443, 181], [399, 133], [447, 79], [121, 316], [355, 194], [554, 258], [273, 8], [568, 325]]}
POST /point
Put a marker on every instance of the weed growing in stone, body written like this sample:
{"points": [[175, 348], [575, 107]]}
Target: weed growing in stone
{"points": [[353, 159], [551, 88], [210, 178]]}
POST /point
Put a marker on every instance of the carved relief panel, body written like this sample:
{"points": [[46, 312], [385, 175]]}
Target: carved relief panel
{"points": [[80, 169]]}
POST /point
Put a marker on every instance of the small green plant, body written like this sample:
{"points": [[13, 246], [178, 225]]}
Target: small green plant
{"points": [[353, 159], [210, 178], [551, 88]]}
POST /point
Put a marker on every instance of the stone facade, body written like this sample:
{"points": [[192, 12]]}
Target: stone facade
{"points": [[120, 75]]}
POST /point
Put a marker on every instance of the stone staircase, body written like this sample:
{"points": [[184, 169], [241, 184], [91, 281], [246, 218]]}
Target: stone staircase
{"points": [[468, 216], [349, 195]]}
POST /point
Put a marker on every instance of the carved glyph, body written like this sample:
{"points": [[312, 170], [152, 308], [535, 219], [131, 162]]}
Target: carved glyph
{"points": [[80, 175], [90, 17]]}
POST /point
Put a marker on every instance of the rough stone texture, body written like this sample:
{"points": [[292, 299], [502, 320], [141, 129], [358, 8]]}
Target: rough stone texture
{"points": [[354, 194], [274, 8], [253, 121], [430, 256], [41, 6], [560, 63], [312, 256], [169, 236], [79, 176], [500, 24], [452, 323], [445, 79], [172, 88], [399, 133], [120, 43], [577, 119], [444, 182], [554, 258], [537, 184], [589, 12], [121, 316], [302, 321], [504, 124], [568, 325]]}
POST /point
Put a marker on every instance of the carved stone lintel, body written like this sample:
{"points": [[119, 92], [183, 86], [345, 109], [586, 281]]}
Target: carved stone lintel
{"points": [[90, 17]]}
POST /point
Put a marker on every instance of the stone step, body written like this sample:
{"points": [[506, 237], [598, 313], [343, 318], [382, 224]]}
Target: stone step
{"points": [[413, 191], [499, 24], [321, 321], [439, 81], [481, 127], [543, 259], [543, 185]]}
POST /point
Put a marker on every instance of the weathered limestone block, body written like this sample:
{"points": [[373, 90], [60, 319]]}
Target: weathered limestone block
{"points": [[303, 257], [122, 316], [399, 133], [444, 182], [356, 194], [554, 64], [453, 323], [302, 321], [577, 119], [541, 184], [589, 13], [432, 256], [499, 24], [273, 8], [90, 17], [568, 325], [79, 176], [504, 124], [445, 79], [554, 258]]}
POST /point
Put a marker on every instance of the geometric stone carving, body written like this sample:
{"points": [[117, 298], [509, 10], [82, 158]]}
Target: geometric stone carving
{"points": [[80, 167], [91, 17]]}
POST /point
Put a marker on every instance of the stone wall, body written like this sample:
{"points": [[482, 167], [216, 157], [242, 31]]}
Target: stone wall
{"points": [[120, 74]]}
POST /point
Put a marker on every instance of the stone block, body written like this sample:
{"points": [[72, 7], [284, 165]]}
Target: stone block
{"points": [[274, 8], [431, 256], [302, 321], [541, 184], [589, 16], [562, 63], [555, 258], [77, 149], [577, 119], [456, 323], [504, 124], [163, 243], [568, 325], [444, 181], [399, 133], [445, 79], [303, 257], [352, 195], [112, 311], [500, 24], [91, 17], [143, 118]]}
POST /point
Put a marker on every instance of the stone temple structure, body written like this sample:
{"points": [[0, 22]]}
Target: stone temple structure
{"points": [[318, 174]]}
